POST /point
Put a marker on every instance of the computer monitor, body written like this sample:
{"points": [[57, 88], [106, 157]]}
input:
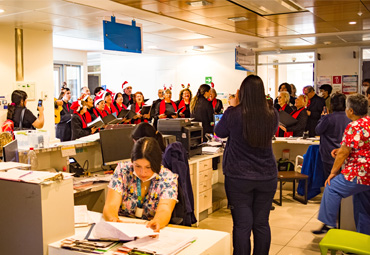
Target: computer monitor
{"points": [[217, 118], [116, 144], [10, 152]]}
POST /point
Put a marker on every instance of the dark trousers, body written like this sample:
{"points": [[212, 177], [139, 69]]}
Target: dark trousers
{"points": [[250, 204], [327, 169]]}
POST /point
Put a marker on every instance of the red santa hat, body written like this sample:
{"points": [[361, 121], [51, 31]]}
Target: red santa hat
{"points": [[76, 106], [99, 97], [212, 85], [125, 85]]}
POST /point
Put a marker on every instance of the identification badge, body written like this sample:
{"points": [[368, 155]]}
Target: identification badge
{"points": [[138, 212]]}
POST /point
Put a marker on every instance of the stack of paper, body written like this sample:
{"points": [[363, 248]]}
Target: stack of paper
{"points": [[89, 138], [168, 242], [82, 218], [210, 150], [119, 231], [9, 165], [33, 176]]}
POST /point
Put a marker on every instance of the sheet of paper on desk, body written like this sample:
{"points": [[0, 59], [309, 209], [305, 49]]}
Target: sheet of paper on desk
{"points": [[9, 165], [119, 231], [82, 217], [168, 242], [27, 176], [90, 138], [210, 150]]}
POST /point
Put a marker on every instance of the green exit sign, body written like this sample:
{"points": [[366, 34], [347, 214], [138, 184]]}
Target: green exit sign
{"points": [[208, 80]]}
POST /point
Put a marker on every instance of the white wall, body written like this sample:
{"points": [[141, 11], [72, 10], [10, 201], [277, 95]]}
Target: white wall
{"points": [[338, 61], [149, 73], [38, 68], [65, 56]]}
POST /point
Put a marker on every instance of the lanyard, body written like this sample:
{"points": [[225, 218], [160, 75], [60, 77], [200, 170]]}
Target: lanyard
{"points": [[139, 197]]}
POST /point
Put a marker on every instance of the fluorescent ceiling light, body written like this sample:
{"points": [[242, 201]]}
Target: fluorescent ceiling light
{"points": [[199, 3], [271, 7], [236, 19], [352, 22], [152, 47], [1, 11]]}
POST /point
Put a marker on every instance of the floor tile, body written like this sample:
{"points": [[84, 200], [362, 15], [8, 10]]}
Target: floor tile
{"points": [[282, 236], [275, 248], [296, 251], [306, 240]]}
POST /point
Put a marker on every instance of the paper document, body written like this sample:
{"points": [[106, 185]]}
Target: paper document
{"points": [[105, 230], [210, 150], [82, 217], [31, 176], [168, 242], [9, 165], [90, 138]]}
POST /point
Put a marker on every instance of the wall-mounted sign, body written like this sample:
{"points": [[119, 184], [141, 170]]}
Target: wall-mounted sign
{"points": [[350, 84], [337, 84], [245, 59], [208, 80]]}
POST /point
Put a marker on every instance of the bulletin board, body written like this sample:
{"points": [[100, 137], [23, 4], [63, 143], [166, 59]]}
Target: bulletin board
{"points": [[350, 84], [28, 87]]}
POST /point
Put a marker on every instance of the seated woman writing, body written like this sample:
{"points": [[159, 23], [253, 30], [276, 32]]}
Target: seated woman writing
{"points": [[142, 188]]}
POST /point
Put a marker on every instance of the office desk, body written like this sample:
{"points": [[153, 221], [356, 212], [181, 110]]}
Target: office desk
{"points": [[208, 242], [296, 147]]}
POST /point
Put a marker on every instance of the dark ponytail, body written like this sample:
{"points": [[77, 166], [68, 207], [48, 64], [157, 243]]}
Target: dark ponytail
{"points": [[17, 97], [146, 130], [202, 89]]}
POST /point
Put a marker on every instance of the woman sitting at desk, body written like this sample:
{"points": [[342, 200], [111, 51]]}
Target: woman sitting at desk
{"points": [[79, 121], [146, 130], [301, 115], [142, 188], [166, 108], [137, 106]]}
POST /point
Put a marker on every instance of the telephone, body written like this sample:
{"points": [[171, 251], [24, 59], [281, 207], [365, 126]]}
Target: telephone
{"points": [[75, 168]]}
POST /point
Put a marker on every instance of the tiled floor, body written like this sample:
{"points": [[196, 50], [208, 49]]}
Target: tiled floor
{"points": [[291, 226]]}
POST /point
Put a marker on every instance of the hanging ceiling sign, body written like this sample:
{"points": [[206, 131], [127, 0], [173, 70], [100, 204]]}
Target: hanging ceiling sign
{"points": [[122, 37]]}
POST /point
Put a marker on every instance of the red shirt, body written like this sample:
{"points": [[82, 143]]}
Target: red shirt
{"points": [[357, 136]]}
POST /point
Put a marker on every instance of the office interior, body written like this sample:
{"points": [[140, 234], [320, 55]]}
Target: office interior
{"points": [[183, 43]]}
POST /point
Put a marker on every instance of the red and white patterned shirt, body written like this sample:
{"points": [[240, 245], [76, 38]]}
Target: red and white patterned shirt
{"points": [[357, 136]]}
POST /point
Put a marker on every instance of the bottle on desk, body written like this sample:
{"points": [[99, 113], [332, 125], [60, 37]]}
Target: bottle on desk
{"points": [[32, 159]]}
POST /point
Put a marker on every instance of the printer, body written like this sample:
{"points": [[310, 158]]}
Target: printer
{"points": [[188, 132]]}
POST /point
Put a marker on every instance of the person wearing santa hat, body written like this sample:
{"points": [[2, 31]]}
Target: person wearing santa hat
{"points": [[109, 106], [184, 102], [137, 106], [118, 101], [127, 97], [63, 128], [216, 103], [167, 108], [99, 104], [79, 121]]}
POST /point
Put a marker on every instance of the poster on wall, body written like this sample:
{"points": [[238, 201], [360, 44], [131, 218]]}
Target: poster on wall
{"points": [[337, 84], [28, 87], [350, 83], [323, 80]]}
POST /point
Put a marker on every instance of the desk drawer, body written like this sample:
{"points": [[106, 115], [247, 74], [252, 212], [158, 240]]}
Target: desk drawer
{"points": [[205, 200], [205, 175], [191, 169], [203, 186], [205, 164]]}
